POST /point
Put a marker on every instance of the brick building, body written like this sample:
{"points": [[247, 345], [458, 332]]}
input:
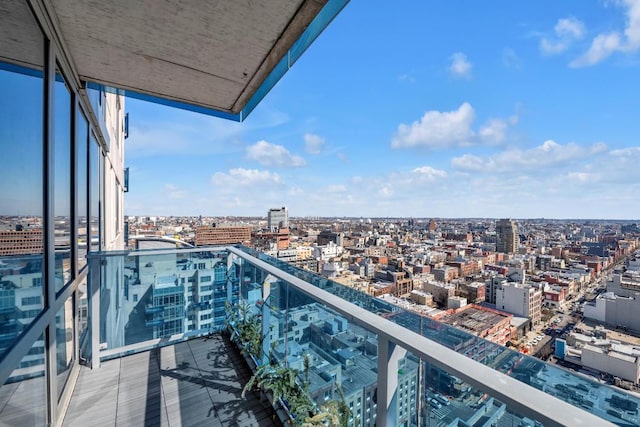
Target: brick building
{"points": [[225, 235]]}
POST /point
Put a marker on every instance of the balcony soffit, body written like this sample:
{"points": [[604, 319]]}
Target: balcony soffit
{"points": [[214, 55]]}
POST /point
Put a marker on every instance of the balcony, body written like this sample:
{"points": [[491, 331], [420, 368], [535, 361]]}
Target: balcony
{"points": [[392, 366], [191, 383]]}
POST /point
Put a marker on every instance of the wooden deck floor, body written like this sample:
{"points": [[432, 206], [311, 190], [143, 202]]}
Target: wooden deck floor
{"points": [[194, 383]]}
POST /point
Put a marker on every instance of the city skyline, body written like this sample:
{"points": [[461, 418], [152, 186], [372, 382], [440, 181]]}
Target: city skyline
{"points": [[517, 111]]}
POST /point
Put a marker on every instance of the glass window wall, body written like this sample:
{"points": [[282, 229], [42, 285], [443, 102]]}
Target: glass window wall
{"points": [[95, 237], [62, 182], [65, 342], [23, 397], [21, 177], [82, 141]]}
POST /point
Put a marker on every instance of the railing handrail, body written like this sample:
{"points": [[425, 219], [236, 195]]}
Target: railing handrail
{"points": [[160, 251]]}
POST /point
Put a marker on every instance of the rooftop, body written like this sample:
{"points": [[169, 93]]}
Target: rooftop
{"points": [[474, 318]]}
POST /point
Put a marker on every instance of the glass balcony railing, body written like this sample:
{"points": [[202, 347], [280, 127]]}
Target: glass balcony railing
{"points": [[387, 365]]}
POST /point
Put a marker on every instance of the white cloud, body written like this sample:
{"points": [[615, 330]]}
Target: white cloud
{"points": [[295, 191], [510, 59], [174, 192], [632, 31], [386, 191], [541, 157], [606, 44], [268, 154], [429, 173], [336, 188], [407, 78], [550, 180], [438, 129], [445, 129], [567, 30], [626, 152], [313, 143], [549, 47], [601, 48], [240, 177], [460, 67], [494, 132], [570, 27], [598, 147], [584, 177]]}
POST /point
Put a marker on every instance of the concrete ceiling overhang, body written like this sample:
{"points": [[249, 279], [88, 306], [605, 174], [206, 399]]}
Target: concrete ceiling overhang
{"points": [[216, 57]]}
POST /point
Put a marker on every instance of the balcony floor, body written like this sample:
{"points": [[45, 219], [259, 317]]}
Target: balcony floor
{"points": [[192, 383]]}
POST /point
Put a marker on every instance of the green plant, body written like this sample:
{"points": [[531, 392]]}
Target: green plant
{"points": [[334, 412], [284, 383], [245, 327], [278, 379]]}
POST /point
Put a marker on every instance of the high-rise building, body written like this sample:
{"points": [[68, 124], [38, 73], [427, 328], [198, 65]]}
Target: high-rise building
{"points": [[506, 236], [278, 218]]}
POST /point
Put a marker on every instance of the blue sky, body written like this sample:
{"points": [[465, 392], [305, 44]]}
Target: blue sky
{"points": [[423, 109]]}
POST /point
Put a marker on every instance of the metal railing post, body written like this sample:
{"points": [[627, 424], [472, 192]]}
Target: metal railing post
{"points": [[93, 307]]}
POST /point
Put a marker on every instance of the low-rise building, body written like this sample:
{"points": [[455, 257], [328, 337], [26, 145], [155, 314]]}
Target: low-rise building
{"points": [[521, 300], [492, 325], [222, 235]]}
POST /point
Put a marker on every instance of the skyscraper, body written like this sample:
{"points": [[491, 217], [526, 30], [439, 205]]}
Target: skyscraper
{"points": [[507, 236], [278, 218]]}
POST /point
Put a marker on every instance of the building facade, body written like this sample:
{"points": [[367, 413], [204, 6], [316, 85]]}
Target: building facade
{"points": [[222, 235], [506, 236], [521, 300], [278, 218], [65, 142]]}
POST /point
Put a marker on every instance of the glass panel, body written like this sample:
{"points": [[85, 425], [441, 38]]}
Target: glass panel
{"points": [[162, 296], [446, 399], [336, 360], [98, 105], [62, 181], [23, 400], [65, 342], [82, 207], [117, 216], [21, 179], [82, 308], [94, 196], [531, 371]]}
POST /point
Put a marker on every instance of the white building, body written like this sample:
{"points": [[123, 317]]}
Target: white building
{"points": [[615, 310], [326, 252], [604, 355], [278, 218], [616, 359], [521, 300]]}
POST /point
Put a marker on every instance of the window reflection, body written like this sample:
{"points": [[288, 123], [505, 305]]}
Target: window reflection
{"points": [[64, 342], [82, 138], [23, 395], [62, 182], [83, 309], [21, 190], [94, 197]]}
